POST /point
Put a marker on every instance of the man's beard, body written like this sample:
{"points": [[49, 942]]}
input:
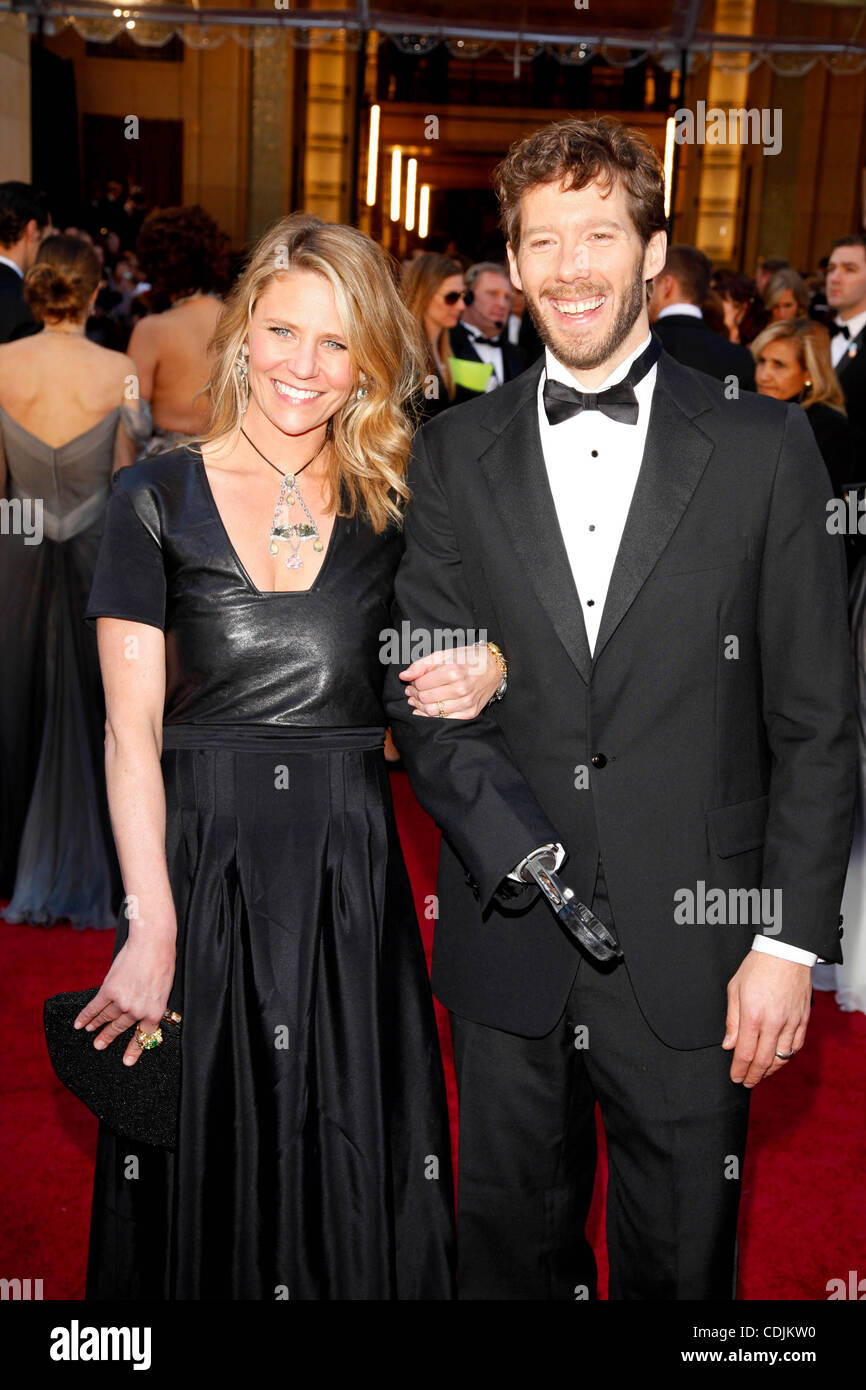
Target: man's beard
{"points": [[583, 357]]}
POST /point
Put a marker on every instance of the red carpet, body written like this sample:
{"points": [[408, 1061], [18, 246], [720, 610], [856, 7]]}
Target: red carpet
{"points": [[803, 1212]]}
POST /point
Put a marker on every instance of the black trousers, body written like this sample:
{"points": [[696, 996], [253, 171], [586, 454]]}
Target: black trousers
{"points": [[675, 1126]]}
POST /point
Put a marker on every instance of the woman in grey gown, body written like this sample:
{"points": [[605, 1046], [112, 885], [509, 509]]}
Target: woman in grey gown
{"points": [[63, 401]]}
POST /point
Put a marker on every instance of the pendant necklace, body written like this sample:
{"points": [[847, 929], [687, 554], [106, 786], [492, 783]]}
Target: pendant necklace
{"points": [[282, 527]]}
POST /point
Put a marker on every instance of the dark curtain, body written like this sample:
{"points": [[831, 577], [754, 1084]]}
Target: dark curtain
{"points": [[54, 127], [154, 160]]}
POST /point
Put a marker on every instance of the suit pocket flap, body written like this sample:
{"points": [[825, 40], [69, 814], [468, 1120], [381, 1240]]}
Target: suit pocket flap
{"points": [[716, 556], [740, 827]]}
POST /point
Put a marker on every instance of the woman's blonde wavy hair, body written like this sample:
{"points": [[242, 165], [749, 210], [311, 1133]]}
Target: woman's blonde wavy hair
{"points": [[812, 342], [370, 436]]}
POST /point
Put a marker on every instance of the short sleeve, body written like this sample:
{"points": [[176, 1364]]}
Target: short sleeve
{"points": [[129, 579]]}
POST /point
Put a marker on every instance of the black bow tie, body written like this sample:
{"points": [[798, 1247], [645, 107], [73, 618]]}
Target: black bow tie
{"points": [[839, 328], [491, 342], [618, 402]]}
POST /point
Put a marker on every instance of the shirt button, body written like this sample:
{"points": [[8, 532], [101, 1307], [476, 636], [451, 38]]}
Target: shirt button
{"points": [[590, 603], [592, 528], [598, 760], [595, 453]]}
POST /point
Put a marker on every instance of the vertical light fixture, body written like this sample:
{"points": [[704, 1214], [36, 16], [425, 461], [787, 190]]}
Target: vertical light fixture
{"points": [[669, 162], [395, 184], [424, 210], [411, 180], [373, 155]]}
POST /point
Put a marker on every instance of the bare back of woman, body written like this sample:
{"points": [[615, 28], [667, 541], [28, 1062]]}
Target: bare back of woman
{"points": [[171, 358], [58, 385]]}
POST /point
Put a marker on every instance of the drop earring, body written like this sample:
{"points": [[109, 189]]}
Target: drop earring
{"points": [[243, 378]]}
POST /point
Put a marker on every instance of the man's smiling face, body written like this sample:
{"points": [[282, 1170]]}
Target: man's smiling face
{"points": [[583, 269]]}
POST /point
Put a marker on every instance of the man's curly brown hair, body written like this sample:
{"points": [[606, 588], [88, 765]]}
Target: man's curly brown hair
{"points": [[579, 152], [182, 250]]}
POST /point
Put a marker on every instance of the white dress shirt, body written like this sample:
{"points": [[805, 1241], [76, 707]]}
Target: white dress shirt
{"points": [[839, 345], [692, 310], [592, 465], [4, 260], [487, 353]]}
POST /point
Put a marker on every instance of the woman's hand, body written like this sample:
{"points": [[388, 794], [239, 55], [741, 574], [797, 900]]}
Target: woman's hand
{"points": [[454, 684], [135, 991]]}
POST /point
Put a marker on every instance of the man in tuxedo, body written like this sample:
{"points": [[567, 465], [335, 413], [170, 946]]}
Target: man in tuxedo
{"points": [[482, 336], [652, 559], [676, 316], [23, 222], [846, 322]]}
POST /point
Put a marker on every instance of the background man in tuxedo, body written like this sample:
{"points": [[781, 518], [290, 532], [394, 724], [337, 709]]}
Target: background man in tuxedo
{"points": [[24, 220], [657, 570], [676, 316], [482, 333], [846, 297]]}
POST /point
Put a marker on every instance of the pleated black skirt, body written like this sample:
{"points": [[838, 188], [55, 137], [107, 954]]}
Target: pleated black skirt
{"points": [[313, 1155]]}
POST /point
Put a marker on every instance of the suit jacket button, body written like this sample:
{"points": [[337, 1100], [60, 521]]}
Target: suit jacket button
{"points": [[598, 760]]}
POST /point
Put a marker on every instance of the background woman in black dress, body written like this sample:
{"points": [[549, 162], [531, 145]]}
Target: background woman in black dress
{"points": [[242, 592]]}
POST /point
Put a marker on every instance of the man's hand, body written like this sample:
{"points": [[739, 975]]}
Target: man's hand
{"points": [[768, 1009]]}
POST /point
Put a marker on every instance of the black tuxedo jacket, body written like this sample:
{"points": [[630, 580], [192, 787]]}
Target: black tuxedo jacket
{"points": [[16, 320], [851, 372], [692, 342], [710, 737], [513, 360]]}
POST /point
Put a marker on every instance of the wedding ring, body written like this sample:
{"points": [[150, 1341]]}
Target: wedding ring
{"points": [[784, 1055], [147, 1041], [440, 706]]}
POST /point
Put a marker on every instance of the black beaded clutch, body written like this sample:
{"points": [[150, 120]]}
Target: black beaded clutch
{"points": [[137, 1102]]}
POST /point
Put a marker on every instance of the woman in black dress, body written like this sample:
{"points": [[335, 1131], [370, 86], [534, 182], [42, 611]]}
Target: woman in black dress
{"points": [[240, 645], [793, 363]]}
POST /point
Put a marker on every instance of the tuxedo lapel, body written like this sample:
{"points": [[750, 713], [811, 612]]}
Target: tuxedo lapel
{"points": [[846, 361], [462, 344], [675, 455], [515, 469]]}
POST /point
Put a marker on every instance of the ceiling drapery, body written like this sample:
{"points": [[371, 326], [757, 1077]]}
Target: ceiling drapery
{"points": [[573, 43]]}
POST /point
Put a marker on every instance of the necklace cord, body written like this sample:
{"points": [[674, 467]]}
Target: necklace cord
{"points": [[276, 468]]}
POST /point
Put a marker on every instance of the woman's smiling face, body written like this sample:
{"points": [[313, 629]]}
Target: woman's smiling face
{"points": [[300, 372]]}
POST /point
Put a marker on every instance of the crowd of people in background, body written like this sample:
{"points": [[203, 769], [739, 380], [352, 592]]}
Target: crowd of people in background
{"points": [[107, 329], [177, 648]]}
